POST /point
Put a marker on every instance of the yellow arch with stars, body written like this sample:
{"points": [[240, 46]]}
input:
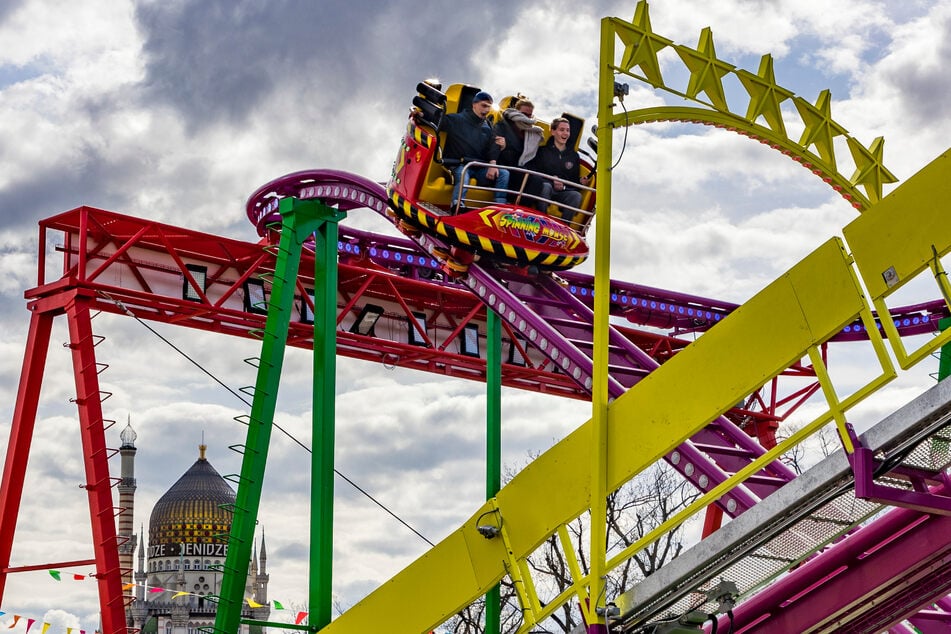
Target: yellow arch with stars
{"points": [[815, 147]]}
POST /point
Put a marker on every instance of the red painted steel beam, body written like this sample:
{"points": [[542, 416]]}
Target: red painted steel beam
{"points": [[98, 483], [21, 435]]}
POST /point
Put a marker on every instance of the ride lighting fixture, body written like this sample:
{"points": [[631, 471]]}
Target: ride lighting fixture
{"points": [[255, 299], [306, 314], [200, 274], [366, 320], [515, 354], [417, 334], [469, 341]]}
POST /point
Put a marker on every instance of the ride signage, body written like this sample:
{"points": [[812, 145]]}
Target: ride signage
{"points": [[188, 550]]}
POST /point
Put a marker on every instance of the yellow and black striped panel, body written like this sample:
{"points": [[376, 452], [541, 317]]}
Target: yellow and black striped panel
{"points": [[458, 237], [413, 214], [421, 136]]}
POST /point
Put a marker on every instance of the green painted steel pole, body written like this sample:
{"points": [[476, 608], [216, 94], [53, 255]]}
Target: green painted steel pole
{"points": [[300, 219], [493, 446], [944, 359], [324, 426]]}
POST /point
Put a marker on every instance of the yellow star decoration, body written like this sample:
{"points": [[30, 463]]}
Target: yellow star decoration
{"points": [[765, 95], [705, 70], [869, 170], [820, 128], [641, 45]]}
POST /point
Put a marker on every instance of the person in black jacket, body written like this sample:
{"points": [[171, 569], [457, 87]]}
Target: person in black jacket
{"points": [[562, 164], [469, 137]]}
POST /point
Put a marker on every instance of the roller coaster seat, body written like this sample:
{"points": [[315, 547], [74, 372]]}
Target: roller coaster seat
{"points": [[437, 185]]}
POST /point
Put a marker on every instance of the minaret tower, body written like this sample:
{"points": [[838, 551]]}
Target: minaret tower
{"points": [[139, 609], [127, 539]]}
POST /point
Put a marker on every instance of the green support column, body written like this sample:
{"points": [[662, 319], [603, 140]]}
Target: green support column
{"points": [[944, 360], [300, 219], [324, 427], [493, 446]]}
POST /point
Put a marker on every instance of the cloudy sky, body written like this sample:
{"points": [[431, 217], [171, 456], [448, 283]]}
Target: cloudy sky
{"points": [[177, 111]]}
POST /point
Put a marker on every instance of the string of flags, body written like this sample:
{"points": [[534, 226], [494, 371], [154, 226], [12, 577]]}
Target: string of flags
{"points": [[59, 576], [45, 627]]}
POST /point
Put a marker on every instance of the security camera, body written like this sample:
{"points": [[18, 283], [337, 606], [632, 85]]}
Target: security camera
{"points": [[489, 532]]}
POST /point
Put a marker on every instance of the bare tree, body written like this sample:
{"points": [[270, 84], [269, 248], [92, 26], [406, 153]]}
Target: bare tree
{"points": [[802, 456], [634, 510]]}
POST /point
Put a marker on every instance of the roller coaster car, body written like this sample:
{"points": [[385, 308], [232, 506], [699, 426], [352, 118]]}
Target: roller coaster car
{"points": [[512, 233]]}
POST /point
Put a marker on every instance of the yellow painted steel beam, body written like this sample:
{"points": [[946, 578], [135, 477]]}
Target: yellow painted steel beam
{"points": [[803, 308], [901, 237]]}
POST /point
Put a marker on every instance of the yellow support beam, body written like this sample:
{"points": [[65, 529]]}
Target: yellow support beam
{"points": [[804, 308], [901, 237]]}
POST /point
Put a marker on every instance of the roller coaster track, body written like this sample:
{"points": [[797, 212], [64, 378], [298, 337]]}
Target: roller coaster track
{"points": [[552, 319], [817, 299]]}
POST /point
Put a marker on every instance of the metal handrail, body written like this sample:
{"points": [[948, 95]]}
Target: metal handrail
{"points": [[568, 211]]}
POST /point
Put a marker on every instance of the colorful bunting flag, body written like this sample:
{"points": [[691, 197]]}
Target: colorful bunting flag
{"points": [[29, 624], [16, 619], [180, 594], [300, 618], [278, 606], [46, 626], [78, 577], [156, 589], [55, 574], [254, 604]]}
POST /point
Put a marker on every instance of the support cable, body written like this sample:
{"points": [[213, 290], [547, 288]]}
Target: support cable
{"points": [[234, 393]]}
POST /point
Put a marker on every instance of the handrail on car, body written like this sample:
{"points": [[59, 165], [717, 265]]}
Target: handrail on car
{"points": [[568, 211]]}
